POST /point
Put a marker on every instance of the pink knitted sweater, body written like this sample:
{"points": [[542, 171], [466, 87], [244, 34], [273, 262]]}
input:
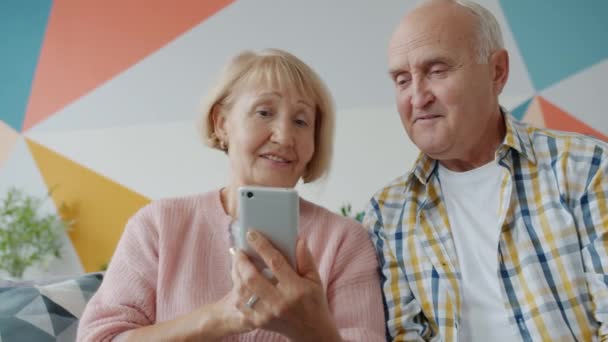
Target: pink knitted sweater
{"points": [[173, 258]]}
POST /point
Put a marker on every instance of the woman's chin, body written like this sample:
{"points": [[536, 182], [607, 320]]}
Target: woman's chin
{"points": [[276, 182]]}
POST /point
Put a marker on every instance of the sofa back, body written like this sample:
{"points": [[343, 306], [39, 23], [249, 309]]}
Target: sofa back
{"points": [[35, 311]]}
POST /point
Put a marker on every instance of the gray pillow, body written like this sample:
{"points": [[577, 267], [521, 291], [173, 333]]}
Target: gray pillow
{"points": [[49, 312]]}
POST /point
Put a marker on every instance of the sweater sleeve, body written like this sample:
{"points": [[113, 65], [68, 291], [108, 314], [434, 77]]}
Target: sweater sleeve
{"points": [[126, 299], [354, 290]]}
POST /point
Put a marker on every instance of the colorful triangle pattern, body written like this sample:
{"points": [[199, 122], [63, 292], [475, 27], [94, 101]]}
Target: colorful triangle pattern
{"points": [[556, 37], [22, 31], [534, 114], [8, 138], [519, 111], [87, 43], [541, 113], [39, 312], [556, 118], [99, 207]]}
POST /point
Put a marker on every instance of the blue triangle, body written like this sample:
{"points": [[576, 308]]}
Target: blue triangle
{"points": [[15, 329], [14, 299], [60, 317], [519, 111], [89, 284], [22, 27], [558, 38]]}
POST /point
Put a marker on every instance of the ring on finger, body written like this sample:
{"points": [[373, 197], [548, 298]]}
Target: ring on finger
{"points": [[251, 301]]}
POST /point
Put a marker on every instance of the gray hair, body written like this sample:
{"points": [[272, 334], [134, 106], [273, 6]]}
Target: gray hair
{"points": [[489, 35]]}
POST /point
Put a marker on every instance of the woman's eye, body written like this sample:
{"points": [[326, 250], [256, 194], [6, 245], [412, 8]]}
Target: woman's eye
{"points": [[301, 122], [262, 112]]}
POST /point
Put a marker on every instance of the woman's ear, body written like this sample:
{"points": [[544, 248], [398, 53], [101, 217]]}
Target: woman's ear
{"points": [[219, 122]]}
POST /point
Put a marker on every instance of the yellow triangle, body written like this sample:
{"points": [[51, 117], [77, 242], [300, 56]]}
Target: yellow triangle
{"points": [[99, 207], [8, 137], [534, 114]]}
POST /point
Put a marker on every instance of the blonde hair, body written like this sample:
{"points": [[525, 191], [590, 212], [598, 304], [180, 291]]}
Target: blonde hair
{"points": [[280, 68]]}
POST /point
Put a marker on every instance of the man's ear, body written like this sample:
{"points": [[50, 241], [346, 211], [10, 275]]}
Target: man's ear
{"points": [[219, 122], [499, 62]]}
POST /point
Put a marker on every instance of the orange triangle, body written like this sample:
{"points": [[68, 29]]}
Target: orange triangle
{"points": [[534, 114], [556, 118], [99, 207], [89, 42], [8, 138]]}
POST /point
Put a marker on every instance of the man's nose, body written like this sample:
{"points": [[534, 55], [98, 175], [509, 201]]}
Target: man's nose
{"points": [[421, 93]]}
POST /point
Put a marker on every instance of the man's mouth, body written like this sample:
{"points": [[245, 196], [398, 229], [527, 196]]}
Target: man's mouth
{"points": [[427, 117]]}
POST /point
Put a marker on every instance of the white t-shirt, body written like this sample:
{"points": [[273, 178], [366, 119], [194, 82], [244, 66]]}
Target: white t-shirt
{"points": [[472, 203]]}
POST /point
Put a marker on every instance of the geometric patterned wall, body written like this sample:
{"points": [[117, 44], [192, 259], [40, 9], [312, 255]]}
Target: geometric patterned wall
{"points": [[99, 98], [563, 44]]}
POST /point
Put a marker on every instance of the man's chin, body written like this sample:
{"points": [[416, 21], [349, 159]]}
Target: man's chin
{"points": [[432, 150]]}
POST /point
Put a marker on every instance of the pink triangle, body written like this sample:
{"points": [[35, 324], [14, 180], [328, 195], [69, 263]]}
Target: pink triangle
{"points": [[8, 138], [557, 118], [534, 114], [89, 42]]}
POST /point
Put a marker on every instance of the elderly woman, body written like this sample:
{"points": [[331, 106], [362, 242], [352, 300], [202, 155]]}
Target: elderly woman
{"points": [[174, 275]]}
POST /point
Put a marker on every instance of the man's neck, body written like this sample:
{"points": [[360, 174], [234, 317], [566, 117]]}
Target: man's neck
{"points": [[482, 151]]}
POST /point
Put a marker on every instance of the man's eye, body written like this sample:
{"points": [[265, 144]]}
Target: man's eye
{"points": [[402, 79]]}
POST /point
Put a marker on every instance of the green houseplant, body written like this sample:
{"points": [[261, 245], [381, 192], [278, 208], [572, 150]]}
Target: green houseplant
{"points": [[346, 210], [27, 237]]}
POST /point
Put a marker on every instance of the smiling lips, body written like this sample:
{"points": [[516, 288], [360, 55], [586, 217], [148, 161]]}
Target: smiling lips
{"points": [[426, 117], [275, 158]]}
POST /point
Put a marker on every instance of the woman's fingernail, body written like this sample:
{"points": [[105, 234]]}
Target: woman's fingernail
{"points": [[267, 273], [252, 236]]}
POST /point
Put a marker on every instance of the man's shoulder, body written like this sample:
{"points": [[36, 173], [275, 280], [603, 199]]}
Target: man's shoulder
{"points": [[395, 195], [390, 203], [395, 187], [551, 144]]}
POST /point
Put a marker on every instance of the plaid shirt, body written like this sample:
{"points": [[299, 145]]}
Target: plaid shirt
{"points": [[552, 252]]}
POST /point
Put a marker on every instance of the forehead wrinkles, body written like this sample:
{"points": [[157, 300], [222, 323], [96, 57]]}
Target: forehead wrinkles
{"points": [[405, 43], [402, 43], [436, 39]]}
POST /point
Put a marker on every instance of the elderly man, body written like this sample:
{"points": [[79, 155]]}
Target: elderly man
{"points": [[500, 230]]}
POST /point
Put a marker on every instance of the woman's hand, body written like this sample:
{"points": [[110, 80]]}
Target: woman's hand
{"points": [[293, 304]]}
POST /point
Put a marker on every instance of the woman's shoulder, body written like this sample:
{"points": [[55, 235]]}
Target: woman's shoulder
{"points": [[188, 202], [325, 221], [340, 244], [182, 208]]}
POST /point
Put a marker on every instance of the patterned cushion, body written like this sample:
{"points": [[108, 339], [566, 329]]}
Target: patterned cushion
{"points": [[47, 312]]}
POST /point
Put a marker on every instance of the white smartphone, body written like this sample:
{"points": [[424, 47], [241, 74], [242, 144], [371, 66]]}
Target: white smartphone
{"points": [[275, 213]]}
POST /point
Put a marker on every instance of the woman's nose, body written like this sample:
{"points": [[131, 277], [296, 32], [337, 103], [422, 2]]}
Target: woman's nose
{"points": [[283, 134]]}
